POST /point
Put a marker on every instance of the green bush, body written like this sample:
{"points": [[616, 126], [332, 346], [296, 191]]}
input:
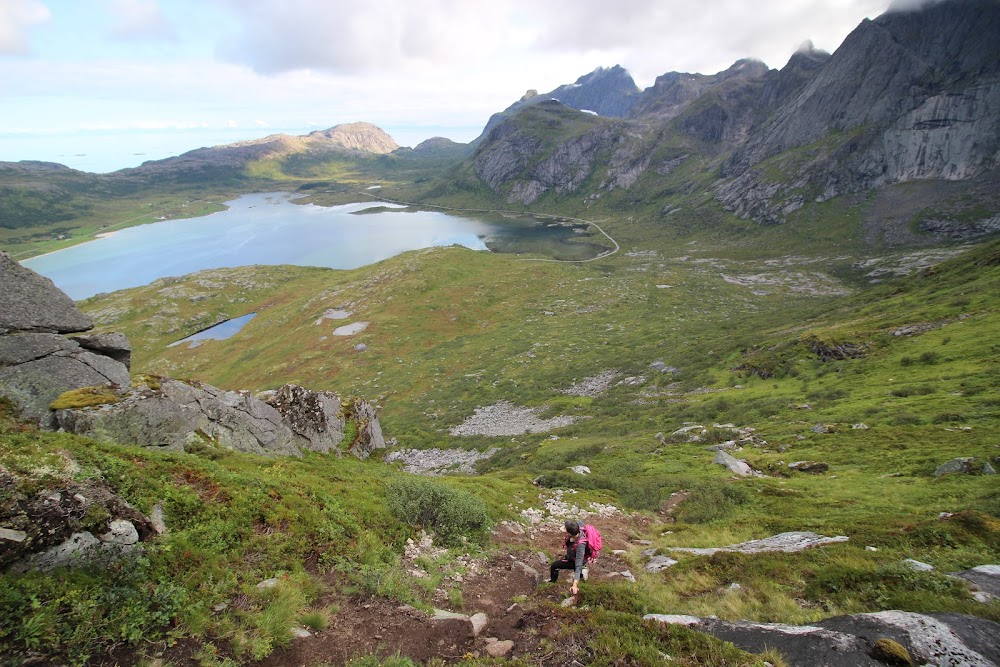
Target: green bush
{"points": [[892, 586], [451, 513], [708, 501]]}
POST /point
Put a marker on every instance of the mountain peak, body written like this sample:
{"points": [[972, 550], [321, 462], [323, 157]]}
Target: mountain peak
{"points": [[358, 136]]}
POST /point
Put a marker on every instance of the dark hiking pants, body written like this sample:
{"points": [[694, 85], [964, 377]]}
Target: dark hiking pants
{"points": [[561, 564]]}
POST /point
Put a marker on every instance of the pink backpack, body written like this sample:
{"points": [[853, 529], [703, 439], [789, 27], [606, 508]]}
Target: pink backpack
{"points": [[593, 542]]}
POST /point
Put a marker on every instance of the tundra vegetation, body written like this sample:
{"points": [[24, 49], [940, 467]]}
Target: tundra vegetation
{"points": [[851, 337]]}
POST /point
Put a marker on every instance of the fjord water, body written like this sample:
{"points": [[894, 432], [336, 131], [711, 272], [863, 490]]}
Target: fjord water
{"points": [[267, 228]]}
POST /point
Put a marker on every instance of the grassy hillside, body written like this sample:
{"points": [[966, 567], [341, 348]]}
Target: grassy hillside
{"points": [[882, 381], [848, 336]]}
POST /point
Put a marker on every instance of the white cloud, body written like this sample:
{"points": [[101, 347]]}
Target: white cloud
{"points": [[351, 36], [649, 37], [655, 36], [140, 20], [16, 17]]}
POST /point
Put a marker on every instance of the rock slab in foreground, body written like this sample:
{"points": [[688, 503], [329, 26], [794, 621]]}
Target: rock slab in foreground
{"points": [[784, 542], [314, 416], [937, 639]]}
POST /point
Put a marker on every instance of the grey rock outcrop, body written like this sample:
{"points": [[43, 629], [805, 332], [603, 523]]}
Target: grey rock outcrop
{"points": [[984, 580], [937, 639], [910, 95], [811, 467], [30, 302], [963, 466], [37, 364], [789, 542], [735, 465], [522, 158], [115, 345], [176, 415]]}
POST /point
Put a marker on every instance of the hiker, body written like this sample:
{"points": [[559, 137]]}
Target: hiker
{"points": [[575, 557]]}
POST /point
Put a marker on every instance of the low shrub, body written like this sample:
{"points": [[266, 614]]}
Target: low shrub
{"points": [[451, 513], [709, 501]]}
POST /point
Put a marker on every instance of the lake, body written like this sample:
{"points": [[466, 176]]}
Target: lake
{"points": [[267, 228]]}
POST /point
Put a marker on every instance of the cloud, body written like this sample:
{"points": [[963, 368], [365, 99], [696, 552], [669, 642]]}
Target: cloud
{"points": [[358, 35], [16, 17], [649, 37], [657, 36], [139, 20]]}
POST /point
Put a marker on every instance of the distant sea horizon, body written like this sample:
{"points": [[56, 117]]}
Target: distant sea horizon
{"points": [[106, 151]]}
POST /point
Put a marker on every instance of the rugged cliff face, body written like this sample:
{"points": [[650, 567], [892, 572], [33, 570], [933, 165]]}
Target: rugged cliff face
{"points": [[910, 95], [552, 148]]}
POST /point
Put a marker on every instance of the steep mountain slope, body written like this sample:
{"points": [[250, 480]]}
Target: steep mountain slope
{"points": [[910, 95], [607, 91]]}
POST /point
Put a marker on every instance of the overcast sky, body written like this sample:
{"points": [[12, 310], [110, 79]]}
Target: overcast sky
{"points": [[416, 67]]}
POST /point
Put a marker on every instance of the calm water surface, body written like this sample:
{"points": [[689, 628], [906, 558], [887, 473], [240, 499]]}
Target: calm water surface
{"points": [[266, 228]]}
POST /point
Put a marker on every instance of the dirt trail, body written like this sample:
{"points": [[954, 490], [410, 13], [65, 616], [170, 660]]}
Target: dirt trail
{"points": [[365, 626]]}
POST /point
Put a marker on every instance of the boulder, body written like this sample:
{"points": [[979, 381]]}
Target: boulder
{"points": [[30, 302], [529, 572], [479, 622], [314, 416], [964, 465], [917, 565], [36, 368], [735, 466], [499, 649], [659, 564], [984, 580], [114, 345], [811, 467]]}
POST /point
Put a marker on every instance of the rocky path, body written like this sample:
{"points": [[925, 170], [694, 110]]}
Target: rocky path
{"points": [[489, 622]]}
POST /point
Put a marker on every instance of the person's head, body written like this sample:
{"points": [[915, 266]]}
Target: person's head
{"points": [[572, 527]]}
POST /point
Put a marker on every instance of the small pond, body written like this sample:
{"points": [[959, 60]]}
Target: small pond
{"points": [[220, 331]]}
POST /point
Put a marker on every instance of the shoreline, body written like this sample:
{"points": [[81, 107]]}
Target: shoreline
{"points": [[97, 237]]}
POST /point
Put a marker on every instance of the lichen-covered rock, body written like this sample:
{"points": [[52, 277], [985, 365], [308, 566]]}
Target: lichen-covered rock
{"points": [[314, 416], [30, 302]]}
